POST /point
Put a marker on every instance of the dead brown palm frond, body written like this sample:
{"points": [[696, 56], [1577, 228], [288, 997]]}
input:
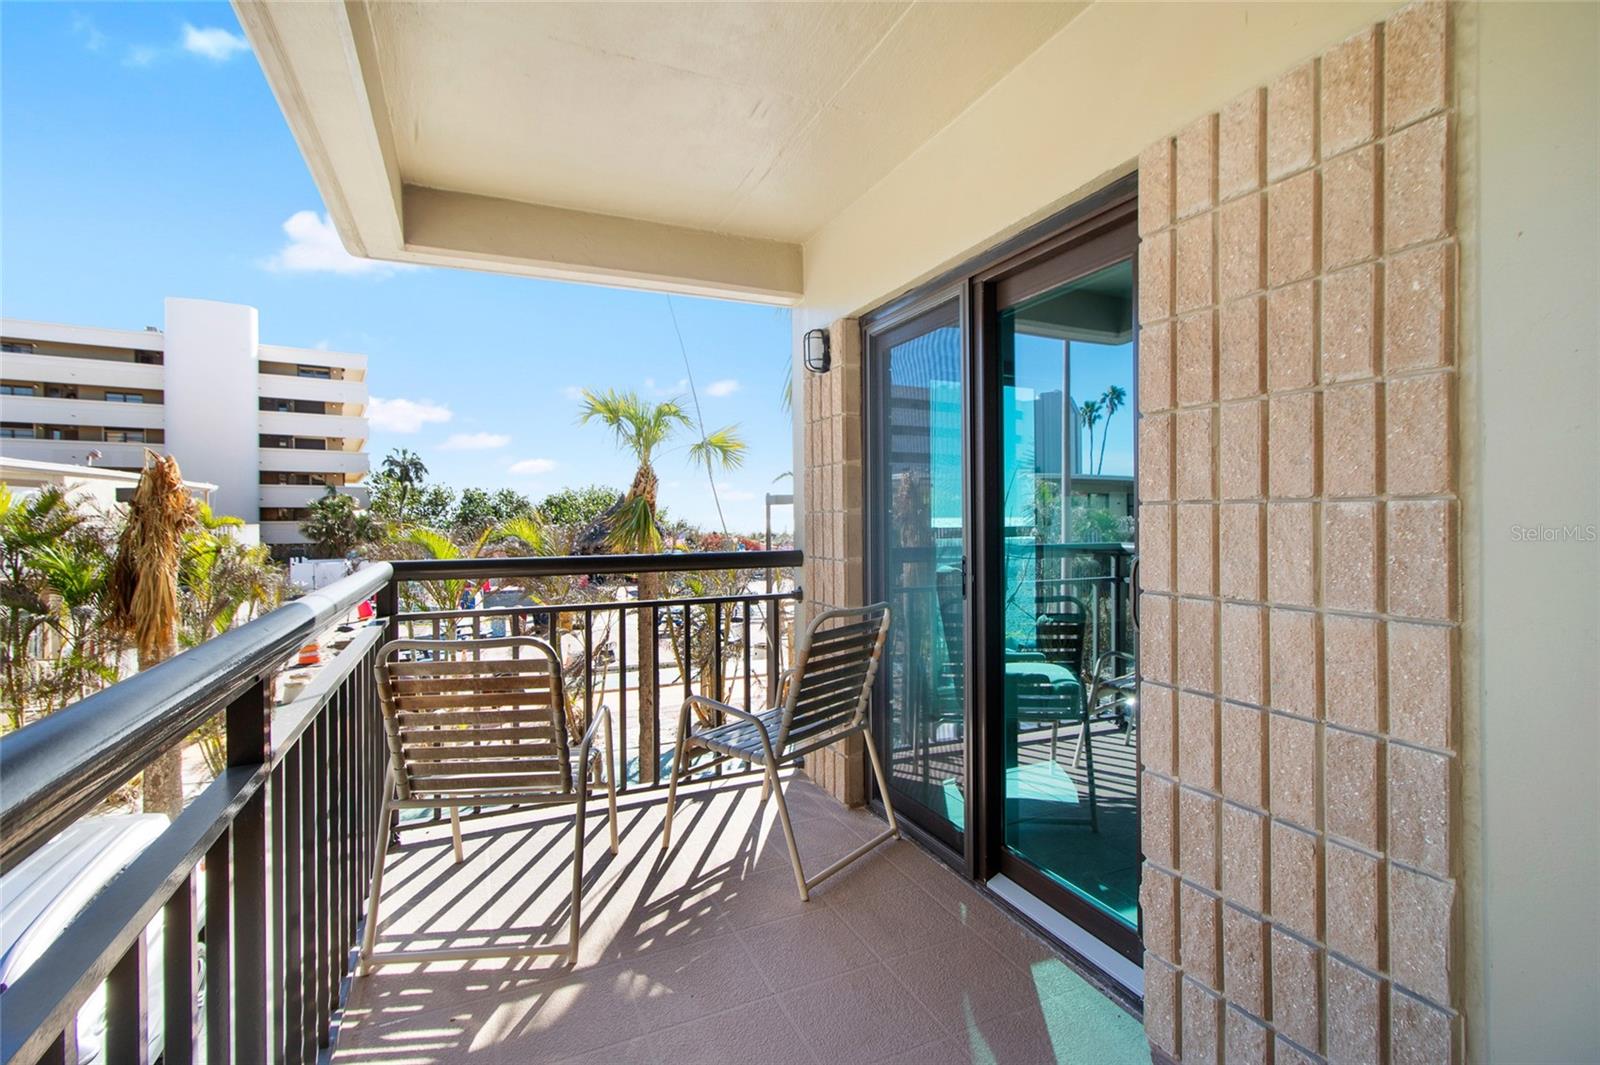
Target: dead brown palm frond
{"points": [[142, 594]]}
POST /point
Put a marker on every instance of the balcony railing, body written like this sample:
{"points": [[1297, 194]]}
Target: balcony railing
{"points": [[280, 844]]}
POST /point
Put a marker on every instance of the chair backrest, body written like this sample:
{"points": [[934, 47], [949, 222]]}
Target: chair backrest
{"points": [[1063, 633], [469, 724], [833, 674]]}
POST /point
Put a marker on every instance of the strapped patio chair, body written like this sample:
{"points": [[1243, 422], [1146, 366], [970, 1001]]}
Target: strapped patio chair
{"points": [[824, 700], [468, 730]]}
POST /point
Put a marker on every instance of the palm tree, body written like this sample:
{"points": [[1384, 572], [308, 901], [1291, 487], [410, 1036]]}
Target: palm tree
{"points": [[222, 582], [142, 595], [27, 525], [337, 526], [643, 428], [405, 468], [76, 573], [222, 576], [722, 446], [1113, 399], [1090, 413]]}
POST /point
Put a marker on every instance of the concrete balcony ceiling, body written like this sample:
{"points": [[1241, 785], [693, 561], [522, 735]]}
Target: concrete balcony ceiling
{"points": [[683, 147]]}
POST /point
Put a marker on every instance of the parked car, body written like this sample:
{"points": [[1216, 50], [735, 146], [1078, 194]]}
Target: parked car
{"points": [[41, 896]]}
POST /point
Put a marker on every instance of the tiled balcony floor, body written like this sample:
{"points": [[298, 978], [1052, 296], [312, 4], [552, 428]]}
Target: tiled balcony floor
{"points": [[707, 954]]}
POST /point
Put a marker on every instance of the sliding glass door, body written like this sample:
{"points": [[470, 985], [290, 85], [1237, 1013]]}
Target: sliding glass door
{"points": [[917, 509], [1001, 510], [1068, 792]]}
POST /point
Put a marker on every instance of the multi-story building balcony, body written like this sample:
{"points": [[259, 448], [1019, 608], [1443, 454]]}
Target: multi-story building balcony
{"points": [[93, 413], [299, 496], [202, 390], [292, 423], [353, 464]]}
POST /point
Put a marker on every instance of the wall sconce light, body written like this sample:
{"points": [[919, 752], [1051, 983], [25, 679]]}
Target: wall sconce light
{"points": [[817, 357]]}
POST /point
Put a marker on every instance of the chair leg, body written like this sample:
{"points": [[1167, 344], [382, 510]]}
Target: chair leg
{"points": [[1055, 734], [455, 833], [576, 924], [672, 787], [883, 782], [766, 788], [611, 785], [788, 831], [370, 937]]}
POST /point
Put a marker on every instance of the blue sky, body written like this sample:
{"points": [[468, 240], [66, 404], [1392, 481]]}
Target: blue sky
{"points": [[142, 156]]}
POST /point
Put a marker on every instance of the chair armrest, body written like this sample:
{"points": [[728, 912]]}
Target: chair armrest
{"points": [[587, 743]]}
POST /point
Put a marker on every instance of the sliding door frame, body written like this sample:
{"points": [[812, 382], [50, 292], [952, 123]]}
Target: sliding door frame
{"points": [[1105, 237], [882, 333], [1102, 224]]}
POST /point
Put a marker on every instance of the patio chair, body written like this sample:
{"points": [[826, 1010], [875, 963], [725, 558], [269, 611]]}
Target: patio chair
{"points": [[824, 699], [468, 730]]}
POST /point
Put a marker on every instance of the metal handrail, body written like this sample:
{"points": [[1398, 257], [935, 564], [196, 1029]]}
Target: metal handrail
{"points": [[425, 569], [60, 767]]}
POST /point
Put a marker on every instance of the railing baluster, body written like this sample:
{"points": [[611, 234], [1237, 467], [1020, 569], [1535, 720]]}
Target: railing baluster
{"points": [[249, 744], [622, 694], [307, 976], [63, 1049], [289, 1038], [336, 837], [716, 661], [749, 614], [326, 981], [127, 1016], [588, 668], [278, 985], [655, 704], [180, 972], [219, 952]]}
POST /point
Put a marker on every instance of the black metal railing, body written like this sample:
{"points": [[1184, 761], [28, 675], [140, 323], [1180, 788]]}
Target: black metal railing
{"points": [[280, 844], [727, 642]]}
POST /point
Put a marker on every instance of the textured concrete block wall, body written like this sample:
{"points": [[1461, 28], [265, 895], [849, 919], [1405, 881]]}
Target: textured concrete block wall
{"points": [[1298, 546], [834, 530]]}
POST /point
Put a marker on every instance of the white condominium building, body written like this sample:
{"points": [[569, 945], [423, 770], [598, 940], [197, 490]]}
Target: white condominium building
{"points": [[272, 427]]}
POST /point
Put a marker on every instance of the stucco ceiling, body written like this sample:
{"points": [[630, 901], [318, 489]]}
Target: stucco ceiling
{"points": [[746, 126], [756, 119]]}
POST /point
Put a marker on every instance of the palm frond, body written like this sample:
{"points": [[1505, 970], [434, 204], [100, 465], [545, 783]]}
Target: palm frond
{"points": [[634, 529], [724, 448], [434, 542]]}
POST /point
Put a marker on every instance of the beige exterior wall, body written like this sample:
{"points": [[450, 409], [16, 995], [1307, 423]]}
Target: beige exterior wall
{"points": [[1529, 206], [1516, 937], [833, 525], [1298, 545]]}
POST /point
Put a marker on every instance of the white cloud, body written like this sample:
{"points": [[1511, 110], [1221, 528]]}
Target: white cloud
{"points": [[573, 392], [729, 494], [405, 415], [533, 466], [213, 43], [84, 27], [725, 387], [314, 247], [142, 55], [676, 389], [475, 442]]}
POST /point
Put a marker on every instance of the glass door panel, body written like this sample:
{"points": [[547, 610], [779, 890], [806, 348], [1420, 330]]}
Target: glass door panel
{"points": [[918, 501], [1066, 439]]}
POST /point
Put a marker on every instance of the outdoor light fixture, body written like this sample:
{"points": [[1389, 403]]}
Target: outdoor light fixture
{"points": [[817, 358]]}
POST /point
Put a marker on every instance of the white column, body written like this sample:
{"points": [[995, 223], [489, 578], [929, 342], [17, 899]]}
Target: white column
{"points": [[211, 400]]}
